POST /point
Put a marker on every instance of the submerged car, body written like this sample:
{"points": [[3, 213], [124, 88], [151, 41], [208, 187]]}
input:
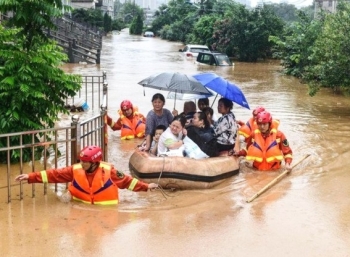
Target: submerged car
{"points": [[216, 59], [148, 34], [193, 50]]}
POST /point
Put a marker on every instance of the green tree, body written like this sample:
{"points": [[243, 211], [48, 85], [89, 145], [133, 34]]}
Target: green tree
{"points": [[93, 17], [107, 23], [245, 33], [330, 62], [32, 86], [136, 26], [295, 45], [203, 30]]}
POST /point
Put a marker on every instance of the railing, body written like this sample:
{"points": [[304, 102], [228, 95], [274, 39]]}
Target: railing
{"points": [[59, 147]]}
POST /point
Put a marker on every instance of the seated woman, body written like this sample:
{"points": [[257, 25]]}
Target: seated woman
{"points": [[170, 142], [202, 134], [226, 127]]}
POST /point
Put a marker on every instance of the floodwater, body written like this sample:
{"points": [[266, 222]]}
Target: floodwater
{"points": [[305, 214]]}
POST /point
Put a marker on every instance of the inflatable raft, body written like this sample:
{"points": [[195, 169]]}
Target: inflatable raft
{"points": [[182, 172]]}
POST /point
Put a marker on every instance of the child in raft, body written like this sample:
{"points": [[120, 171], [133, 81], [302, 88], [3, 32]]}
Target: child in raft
{"points": [[156, 135]]}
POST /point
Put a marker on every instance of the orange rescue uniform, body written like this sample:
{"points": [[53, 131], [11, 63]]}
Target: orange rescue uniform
{"points": [[99, 187], [267, 152], [131, 127]]}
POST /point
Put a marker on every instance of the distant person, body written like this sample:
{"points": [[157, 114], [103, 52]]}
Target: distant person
{"points": [[202, 103], [188, 111], [157, 133], [131, 123], [92, 181], [209, 112], [158, 116], [267, 146]]}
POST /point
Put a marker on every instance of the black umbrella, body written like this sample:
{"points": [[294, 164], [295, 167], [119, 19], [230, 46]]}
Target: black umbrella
{"points": [[175, 82]]}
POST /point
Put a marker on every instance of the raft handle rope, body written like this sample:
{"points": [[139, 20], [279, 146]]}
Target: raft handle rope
{"points": [[160, 175]]}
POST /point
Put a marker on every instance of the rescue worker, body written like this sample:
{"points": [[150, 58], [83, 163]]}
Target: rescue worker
{"points": [[267, 146], [92, 180], [131, 123], [247, 128]]}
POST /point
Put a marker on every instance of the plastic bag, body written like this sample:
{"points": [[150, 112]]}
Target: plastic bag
{"points": [[192, 150]]}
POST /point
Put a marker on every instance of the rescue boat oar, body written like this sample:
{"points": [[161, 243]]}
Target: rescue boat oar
{"points": [[277, 179]]}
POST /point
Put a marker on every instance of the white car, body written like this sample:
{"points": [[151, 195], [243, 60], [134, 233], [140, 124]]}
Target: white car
{"points": [[148, 34], [193, 50]]}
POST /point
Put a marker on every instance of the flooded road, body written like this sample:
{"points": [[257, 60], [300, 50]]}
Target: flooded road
{"points": [[305, 214]]}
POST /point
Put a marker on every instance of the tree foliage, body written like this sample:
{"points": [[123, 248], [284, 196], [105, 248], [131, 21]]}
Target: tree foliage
{"points": [[245, 33], [136, 26], [295, 45], [32, 86], [330, 56]]}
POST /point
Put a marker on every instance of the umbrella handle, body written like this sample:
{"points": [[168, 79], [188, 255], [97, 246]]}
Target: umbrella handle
{"points": [[175, 101], [214, 101]]}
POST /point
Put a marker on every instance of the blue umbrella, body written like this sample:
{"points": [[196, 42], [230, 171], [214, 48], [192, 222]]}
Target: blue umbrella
{"points": [[223, 87]]}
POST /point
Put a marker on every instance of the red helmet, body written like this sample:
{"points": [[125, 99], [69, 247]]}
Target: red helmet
{"points": [[264, 117], [125, 105], [91, 154], [258, 110]]}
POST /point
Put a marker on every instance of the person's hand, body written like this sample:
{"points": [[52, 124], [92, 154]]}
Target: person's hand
{"points": [[236, 148], [240, 153], [142, 146], [66, 197], [22, 177], [288, 167], [152, 186], [175, 112], [184, 132]]}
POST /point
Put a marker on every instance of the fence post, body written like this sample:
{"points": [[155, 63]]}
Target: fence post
{"points": [[75, 134], [98, 56], [104, 105], [70, 52]]}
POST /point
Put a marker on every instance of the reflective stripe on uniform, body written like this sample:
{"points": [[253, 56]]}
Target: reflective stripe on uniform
{"points": [[133, 184], [109, 202], [44, 176]]}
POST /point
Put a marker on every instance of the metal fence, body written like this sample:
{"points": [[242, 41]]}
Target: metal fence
{"points": [[57, 147]]}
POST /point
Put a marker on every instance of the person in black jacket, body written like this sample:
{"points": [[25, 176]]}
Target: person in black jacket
{"points": [[202, 134]]}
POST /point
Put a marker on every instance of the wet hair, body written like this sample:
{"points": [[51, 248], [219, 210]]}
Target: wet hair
{"points": [[205, 101], [180, 118], [189, 106], [158, 96], [203, 116], [227, 103], [208, 110]]}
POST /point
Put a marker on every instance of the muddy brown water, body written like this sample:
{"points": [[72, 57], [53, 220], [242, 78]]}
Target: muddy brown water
{"points": [[305, 214]]}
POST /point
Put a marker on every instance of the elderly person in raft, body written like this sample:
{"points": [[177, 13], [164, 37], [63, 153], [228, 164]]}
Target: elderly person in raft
{"points": [[201, 133], [171, 141]]}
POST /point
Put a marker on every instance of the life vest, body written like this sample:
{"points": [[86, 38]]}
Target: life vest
{"points": [[265, 152], [251, 126], [102, 191], [132, 128]]}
